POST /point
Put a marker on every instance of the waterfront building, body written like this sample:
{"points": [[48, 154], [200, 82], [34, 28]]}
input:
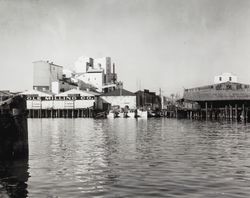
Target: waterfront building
{"points": [[228, 100], [96, 72], [82, 64], [147, 100], [45, 73], [69, 104], [225, 77], [33, 100], [71, 99], [75, 99], [67, 73], [105, 63], [94, 77], [50, 77], [119, 97]]}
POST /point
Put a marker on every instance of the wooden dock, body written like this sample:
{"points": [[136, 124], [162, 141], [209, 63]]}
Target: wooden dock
{"points": [[61, 113], [224, 101]]}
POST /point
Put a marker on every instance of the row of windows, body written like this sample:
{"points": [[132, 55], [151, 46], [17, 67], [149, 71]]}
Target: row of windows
{"points": [[220, 87], [230, 78]]}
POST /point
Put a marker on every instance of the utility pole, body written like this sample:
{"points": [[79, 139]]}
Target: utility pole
{"points": [[162, 101]]}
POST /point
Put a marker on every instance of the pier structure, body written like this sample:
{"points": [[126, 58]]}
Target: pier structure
{"points": [[13, 128], [70, 104], [227, 100]]}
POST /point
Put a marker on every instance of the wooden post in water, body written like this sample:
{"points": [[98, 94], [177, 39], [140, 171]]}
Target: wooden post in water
{"points": [[13, 129], [231, 113], [247, 114], [243, 112], [236, 112], [211, 111], [206, 110], [226, 114]]}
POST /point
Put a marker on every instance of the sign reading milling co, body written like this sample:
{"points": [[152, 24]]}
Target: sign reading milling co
{"points": [[47, 98]]}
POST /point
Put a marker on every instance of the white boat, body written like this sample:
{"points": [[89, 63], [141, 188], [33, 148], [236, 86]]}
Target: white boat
{"points": [[130, 114], [114, 114], [110, 115], [142, 114]]}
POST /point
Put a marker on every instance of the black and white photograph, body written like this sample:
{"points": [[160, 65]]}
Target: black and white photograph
{"points": [[124, 98]]}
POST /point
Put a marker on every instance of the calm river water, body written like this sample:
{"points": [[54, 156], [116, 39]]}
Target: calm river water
{"points": [[131, 158]]}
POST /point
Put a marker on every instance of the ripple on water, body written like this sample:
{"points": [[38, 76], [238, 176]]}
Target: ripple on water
{"points": [[133, 158]]}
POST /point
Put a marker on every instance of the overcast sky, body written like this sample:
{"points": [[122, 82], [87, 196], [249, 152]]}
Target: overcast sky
{"points": [[168, 44]]}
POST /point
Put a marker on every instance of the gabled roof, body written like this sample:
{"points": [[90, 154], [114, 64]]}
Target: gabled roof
{"points": [[219, 92], [119, 92], [36, 92], [5, 93], [77, 91]]}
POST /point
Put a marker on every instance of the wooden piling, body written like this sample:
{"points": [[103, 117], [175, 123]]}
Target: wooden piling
{"points": [[13, 129], [236, 112], [247, 114], [206, 110], [243, 111], [231, 113]]}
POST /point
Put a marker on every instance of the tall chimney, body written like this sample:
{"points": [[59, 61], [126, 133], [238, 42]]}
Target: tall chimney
{"points": [[113, 68]]}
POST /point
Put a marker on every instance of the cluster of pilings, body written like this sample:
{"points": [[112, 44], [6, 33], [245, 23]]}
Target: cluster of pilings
{"points": [[60, 113], [13, 128], [229, 112], [163, 113]]}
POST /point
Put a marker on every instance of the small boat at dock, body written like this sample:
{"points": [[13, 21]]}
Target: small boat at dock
{"points": [[127, 114]]}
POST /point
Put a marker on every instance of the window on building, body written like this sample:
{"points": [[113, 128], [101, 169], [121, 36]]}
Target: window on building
{"points": [[230, 78], [220, 78], [239, 86]]}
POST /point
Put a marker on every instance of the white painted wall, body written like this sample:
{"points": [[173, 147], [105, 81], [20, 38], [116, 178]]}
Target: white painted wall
{"points": [[225, 77], [79, 104], [105, 63], [44, 73], [122, 101], [68, 73], [55, 87], [33, 104], [47, 104], [95, 79], [37, 103]]}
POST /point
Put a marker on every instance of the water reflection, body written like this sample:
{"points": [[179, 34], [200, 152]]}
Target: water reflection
{"points": [[13, 178], [132, 158]]}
